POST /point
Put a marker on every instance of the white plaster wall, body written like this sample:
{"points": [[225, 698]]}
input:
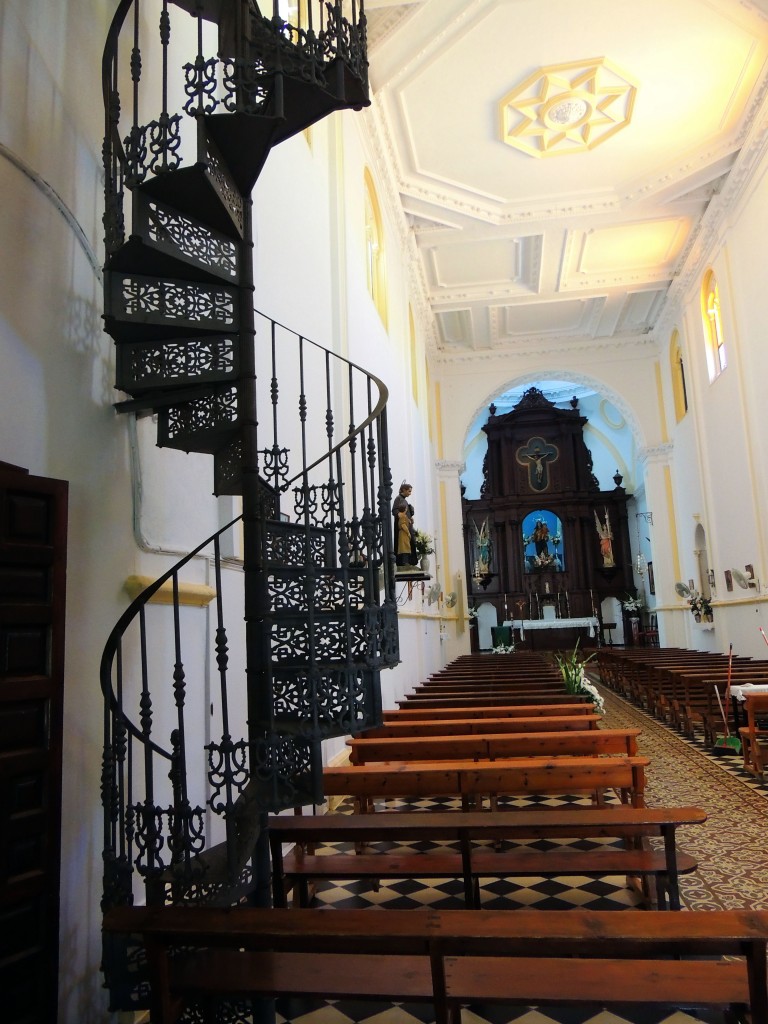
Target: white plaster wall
{"points": [[56, 415], [719, 460]]}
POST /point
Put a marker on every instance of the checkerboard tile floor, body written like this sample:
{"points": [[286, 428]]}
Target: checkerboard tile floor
{"points": [[730, 876]]}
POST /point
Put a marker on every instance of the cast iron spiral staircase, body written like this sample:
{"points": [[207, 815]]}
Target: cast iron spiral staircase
{"points": [[190, 770]]}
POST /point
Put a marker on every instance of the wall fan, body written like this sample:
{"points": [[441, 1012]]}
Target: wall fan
{"points": [[743, 581], [450, 599], [682, 590], [434, 593]]}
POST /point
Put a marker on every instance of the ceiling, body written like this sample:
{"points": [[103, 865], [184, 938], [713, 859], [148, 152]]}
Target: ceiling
{"points": [[558, 162]]}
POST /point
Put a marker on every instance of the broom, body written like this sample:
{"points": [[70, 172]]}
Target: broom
{"points": [[726, 744]]}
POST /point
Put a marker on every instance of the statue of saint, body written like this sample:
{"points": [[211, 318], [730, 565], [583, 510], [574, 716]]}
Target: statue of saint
{"points": [[404, 531], [606, 540]]}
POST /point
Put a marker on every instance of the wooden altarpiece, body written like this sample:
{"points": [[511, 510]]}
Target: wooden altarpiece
{"points": [[543, 541]]}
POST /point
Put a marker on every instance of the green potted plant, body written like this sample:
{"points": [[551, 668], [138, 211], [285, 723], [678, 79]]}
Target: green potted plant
{"points": [[571, 667]]}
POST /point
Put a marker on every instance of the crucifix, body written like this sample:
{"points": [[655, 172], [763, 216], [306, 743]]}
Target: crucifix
{"points": [[537, 456]]}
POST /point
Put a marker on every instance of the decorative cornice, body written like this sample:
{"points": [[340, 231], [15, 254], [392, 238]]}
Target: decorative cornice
{"points": [[543, 346], [376, 133], [707, 236]]}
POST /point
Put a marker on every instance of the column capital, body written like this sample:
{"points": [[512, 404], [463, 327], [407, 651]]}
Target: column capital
{"points": [[659, 454], [449, 467]]}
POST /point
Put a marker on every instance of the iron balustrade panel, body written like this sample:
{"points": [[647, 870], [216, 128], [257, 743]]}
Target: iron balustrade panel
{"points": [[178, 362]]}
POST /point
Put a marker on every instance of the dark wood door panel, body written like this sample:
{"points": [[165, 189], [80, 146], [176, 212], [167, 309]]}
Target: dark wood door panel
{"points": [[33, 522]]}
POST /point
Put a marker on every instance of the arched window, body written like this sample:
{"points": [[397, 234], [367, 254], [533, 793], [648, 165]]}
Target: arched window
{"points": [[678, 376], [374, 248], [713, 326]]}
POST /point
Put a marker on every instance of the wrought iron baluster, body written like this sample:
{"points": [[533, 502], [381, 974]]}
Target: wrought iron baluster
{"points": [[222, 663], [180, 796], [150, 835]]}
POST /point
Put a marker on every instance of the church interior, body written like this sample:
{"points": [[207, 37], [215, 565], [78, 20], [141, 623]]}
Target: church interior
{"points": [[345, 343]]}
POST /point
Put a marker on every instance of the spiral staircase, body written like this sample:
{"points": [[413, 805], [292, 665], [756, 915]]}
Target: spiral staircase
{"points": [[295, 431]]}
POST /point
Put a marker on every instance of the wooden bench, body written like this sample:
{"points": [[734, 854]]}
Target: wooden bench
{"points": [[472, 780], [450, 958], [489, 701], [509, 710], [471, 726], [491, 746], [633, 825]]}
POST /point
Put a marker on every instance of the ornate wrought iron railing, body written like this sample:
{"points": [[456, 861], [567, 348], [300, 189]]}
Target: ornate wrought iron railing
{"points": [[326, 626], [278, 63], [205, 733]]}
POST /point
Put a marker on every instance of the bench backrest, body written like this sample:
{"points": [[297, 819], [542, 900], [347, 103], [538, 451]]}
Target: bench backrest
{"points": [[499, 745], [467, 726], [510, 777]]}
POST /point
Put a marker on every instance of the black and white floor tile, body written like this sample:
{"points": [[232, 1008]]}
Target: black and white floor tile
{"points": [[729, 847]]}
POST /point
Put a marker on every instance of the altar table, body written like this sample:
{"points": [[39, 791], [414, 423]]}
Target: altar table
{"points": [[588, 622]]}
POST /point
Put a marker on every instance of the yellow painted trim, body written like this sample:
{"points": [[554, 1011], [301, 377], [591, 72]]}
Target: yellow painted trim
{"points": [[672, 523], [660, 397], [194, 595], [376, 270], [444, 530], [439, 420]]}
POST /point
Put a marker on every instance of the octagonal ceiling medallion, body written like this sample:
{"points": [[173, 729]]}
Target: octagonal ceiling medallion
{"points": [[567, 108]]}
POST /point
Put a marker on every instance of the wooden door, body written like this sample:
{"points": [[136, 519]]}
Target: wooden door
{"points": [[33, 525]]}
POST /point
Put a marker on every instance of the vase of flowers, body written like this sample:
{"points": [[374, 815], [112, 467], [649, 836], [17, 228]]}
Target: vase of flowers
{"points": [[701, 607], [425, 546], [572, 669]]}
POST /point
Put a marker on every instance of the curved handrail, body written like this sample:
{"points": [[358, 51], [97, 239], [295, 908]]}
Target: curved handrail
{"points": [[110, 648], [370, 418], [107, 62]]}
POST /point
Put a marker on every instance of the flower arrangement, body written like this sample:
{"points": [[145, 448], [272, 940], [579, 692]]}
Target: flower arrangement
{"points": [[472, 613], [423, 543], [701, 606], [504, 648], [632, 604], [572, 670]]}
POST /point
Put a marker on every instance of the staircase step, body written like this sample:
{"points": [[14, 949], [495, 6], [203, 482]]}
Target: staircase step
{"points": [[146, 367], [204, 424], [139, 307], [205, 191], [167, 243], [325, 701]]}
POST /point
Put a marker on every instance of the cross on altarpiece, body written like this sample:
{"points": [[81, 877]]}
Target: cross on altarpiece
{"points": [[537, 456]]}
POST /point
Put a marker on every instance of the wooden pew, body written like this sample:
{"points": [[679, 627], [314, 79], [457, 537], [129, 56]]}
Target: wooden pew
{"points": [[472, 780], [469, 862], [471, 726], [450, 958], [413, 714], [488, 701], [491, 746]]}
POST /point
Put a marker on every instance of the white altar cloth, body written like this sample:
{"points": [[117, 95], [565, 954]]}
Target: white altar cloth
{"points": [[589, 623], [742, 692]]}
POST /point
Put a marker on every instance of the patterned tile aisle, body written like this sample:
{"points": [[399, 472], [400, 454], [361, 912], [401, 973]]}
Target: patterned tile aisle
{"points": [[729, 848]]}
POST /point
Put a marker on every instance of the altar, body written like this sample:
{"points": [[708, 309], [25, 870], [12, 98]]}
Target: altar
{"points": [[549, 631]]}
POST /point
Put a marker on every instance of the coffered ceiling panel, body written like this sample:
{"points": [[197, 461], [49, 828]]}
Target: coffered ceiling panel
{"points": [[633, 120]]}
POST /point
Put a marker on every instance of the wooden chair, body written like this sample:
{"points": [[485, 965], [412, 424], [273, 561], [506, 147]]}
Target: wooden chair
{"points": [[649, 637], [754, 739]]}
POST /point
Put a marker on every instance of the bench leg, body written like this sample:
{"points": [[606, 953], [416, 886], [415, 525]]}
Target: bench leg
{"points": [[758, 982]]}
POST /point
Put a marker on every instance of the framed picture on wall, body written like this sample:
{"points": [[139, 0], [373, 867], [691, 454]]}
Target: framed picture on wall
{"points": [[651, 580]]}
